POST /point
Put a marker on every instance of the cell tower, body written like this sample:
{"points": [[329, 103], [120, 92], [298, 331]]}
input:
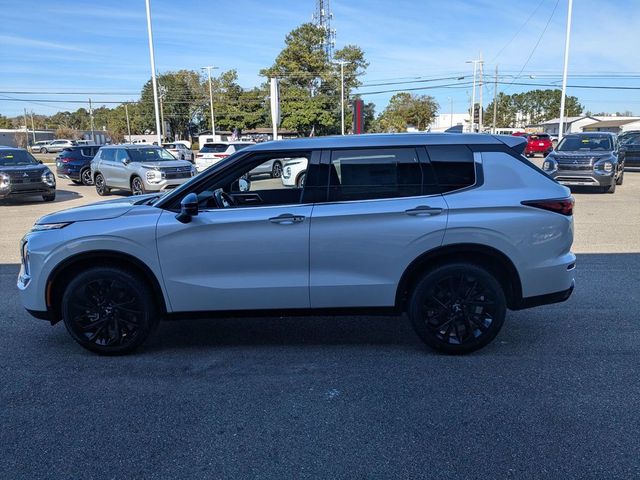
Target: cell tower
{"points": [[322, 18]]}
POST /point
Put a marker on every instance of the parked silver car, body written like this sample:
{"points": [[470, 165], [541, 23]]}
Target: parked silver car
{"points": [[57, 146], [139, 169]]}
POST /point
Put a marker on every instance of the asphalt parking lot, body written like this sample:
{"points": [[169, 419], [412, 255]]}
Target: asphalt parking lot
{"points": [[555, 396]]}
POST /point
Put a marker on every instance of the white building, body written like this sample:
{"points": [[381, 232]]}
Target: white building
{"points": [[444, 121], [571, 124], [614, 125]]}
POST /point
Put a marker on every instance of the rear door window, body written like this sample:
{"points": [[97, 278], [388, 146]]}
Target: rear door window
{"points": [[363, 174], [108, 154], [453, 166]]}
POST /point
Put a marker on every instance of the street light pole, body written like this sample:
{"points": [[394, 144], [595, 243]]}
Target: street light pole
{"points": [[473, 95], [153, 73], [564, 71], [495, 101], [213, 120], [93, 134], [451, 114], [342, 63]]}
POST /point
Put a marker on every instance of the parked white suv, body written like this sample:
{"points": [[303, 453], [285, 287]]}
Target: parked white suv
{"points": [[451, 229], [212, 153]]}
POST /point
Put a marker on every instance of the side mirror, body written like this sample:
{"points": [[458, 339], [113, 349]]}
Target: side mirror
{"points": [[244, 185], [125, 161], [40, 161], [188, 208]]}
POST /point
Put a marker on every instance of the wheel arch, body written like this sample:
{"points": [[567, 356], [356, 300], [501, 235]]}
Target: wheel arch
{"points": [[63, 272], [493, 260]]}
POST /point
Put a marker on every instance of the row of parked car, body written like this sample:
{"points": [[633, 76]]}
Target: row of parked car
{"points": [[590, 159]]}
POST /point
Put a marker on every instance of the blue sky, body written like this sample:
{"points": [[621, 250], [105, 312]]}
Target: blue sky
{"points": [[88, 46]]}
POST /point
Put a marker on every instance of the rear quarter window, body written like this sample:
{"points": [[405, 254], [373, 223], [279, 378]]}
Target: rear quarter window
{"points": [[453, 166]]}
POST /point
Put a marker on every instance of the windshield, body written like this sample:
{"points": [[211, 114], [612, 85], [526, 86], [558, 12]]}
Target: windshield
{"points": [[13, 158], [580, 143], [214, 148], [539, 136], [631, 139], [149, 155], [169, 145]]}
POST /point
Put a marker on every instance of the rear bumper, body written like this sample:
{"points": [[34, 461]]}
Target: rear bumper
{"points": [[72, 173], [547, 299]]}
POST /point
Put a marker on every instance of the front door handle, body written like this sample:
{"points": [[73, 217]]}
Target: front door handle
{"points": [[424, 210], [287, 219]]}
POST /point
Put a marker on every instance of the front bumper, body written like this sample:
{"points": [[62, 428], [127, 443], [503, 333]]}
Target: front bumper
{"points": [[27, 190], [586, 178]]}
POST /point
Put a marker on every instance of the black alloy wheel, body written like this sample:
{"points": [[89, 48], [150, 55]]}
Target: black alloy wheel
{"points": [[101, 186], [137, 187], [85, 177], [49, 197], [44, 150], [620, 178], [457, 308], [108, 310], [276, 170]]}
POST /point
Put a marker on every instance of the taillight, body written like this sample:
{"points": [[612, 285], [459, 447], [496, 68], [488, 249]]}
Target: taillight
{"points": [[65, 159], [563, 206], [221, 155], [199, 155]]}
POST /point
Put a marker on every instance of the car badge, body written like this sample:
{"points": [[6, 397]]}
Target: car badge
{"points": [[25, 174]]}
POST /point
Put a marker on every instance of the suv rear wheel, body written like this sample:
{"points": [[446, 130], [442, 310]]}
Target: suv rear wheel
{"points": [[457, 308], [276, 170], [85, 177], [109, 310]]}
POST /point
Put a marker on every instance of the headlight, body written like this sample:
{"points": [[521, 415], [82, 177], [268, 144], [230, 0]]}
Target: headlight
{"points": [[193, 171], [41, 227], [549, 165], [154, 176], [48, 178], [287, 172], [5, 181], [606, 166]]}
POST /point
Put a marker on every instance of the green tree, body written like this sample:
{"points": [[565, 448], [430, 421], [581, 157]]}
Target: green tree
{"points": [[5, 122], [406, 109], [310, 82], [530, 107]]}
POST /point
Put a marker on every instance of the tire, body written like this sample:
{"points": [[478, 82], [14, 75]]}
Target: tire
{"points": [[49, 197], [76, 182], [137, 186], [85, 177], [457, 308], [300, 180], [612, 188], [101, 186], [44, 150], [109, 310], [620, 178], [276, 170]]}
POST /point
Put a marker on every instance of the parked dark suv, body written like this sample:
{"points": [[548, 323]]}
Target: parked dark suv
{"points": [[587, 159], [74, 163], [629, 151], [22, 175]]}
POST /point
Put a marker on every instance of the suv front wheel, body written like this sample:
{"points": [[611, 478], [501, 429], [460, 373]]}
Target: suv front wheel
{"points": [[101, 186], [457, 308], [109, 310], [137, 186]]}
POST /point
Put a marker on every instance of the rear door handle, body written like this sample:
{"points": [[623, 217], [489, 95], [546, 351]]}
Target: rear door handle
{"points": [[424, 210], [287, 219]]}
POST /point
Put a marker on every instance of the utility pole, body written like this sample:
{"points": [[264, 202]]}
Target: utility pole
{"points": [[26, 130], [163, 92], [93, 135], [126, 112], [33, 128], [451, 114], [564, 70], [495, 101], [153, 71], [213, 120]]}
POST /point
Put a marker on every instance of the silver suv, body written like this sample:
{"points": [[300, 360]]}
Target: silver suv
{"points": [[139, 169], [452, 230]]}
